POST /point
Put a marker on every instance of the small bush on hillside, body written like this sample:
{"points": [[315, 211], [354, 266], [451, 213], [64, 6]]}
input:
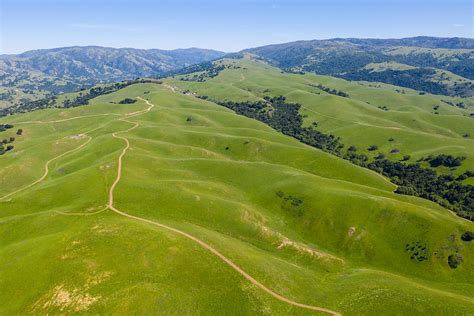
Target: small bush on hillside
{"points": [[417, 251], [5, 126], [128, 101], [373, 147], [455, 260], [19, 131], [291, 203], [467, 236], [406, 158], [395, 151]]}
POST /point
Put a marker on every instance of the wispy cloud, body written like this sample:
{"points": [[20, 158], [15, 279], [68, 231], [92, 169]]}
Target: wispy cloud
{"points": [[458, 25]]}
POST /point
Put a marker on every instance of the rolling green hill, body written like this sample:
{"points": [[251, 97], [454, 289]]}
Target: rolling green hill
{"points": [[380, 122], [177, 205], [420, 125], [442, 66]]}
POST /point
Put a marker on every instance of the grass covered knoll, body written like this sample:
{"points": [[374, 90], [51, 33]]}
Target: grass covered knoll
{"points": [[311, 227]]}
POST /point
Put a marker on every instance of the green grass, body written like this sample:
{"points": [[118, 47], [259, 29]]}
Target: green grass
{"points": [[358, 120], [216, 177]]}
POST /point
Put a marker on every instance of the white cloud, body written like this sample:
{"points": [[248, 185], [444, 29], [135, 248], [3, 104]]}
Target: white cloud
{"points": [[457, 25]]}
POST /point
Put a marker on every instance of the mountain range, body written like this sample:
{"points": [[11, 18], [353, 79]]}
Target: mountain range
{"points": [[428, 64]]}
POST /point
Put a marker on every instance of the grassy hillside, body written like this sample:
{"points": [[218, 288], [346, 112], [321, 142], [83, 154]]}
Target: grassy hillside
{"points": [[307, 225], [420, 125]]}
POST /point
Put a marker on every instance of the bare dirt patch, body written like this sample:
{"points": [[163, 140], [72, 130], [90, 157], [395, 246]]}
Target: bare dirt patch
{"points": [[65, 299]]}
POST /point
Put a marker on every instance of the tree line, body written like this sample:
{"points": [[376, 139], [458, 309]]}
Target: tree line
{"points": [[412, 179]]}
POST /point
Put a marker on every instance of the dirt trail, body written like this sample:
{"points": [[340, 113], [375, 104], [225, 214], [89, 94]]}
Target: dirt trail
{"points": [[46, 169], [172, 88], [87, 116], [82, 214], [46, 166], [191, 237], [67, 119]]}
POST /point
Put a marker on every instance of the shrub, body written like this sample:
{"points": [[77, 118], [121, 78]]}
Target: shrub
{"points": [[467, 236], [128, 101], [19, 131], [373, 147], [455, 260]]}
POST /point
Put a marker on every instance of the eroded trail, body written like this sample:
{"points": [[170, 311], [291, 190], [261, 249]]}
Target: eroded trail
{"points": [[189, 236], [46, 169], [46, 165]]}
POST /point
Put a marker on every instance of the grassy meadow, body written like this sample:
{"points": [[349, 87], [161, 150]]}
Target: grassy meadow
{"points": [[310, 226]]}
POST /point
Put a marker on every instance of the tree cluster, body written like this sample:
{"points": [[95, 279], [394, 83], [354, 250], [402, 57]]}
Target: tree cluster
{"points": [[285, 118], [445, 160], [332, 91], [83, 98], [5, 144], [127, 101], [412, 179]]}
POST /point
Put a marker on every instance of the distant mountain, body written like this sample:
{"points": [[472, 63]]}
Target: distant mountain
{"points": [[70, 68], [418, 41], [104, 63], [431, 64]]}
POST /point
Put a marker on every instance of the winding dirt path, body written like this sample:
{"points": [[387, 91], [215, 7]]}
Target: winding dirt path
{"points": [[189, 236], [67, 119], [46, 166], [87, 116], [46, 169]]}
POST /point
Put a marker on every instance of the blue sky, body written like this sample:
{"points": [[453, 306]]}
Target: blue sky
{"points": [[228, 25]]}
